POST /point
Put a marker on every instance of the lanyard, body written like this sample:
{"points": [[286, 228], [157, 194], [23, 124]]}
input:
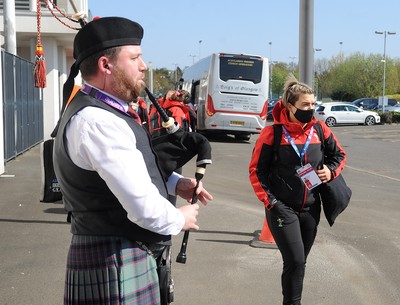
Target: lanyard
{"points": [[93, 92], [303, 152]]}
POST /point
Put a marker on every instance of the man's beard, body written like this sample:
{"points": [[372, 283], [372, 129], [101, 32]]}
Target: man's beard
{"points": [[126, 88]]}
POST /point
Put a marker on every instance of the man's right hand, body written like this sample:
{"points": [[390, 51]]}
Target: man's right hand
{"points": [[190, 213]]}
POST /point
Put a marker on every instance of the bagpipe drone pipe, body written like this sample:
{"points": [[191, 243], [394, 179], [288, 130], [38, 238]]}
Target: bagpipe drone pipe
{"points": [[178, 147]]}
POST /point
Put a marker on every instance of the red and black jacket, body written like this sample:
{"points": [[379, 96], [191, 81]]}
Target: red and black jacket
{"points": [[276, 177], [179, 111]]}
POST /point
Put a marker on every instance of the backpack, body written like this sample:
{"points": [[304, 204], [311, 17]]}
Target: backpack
{"points": [[156, 128]]}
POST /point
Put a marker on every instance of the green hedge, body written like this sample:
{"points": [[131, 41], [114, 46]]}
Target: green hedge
{"points": [[389, 117]]}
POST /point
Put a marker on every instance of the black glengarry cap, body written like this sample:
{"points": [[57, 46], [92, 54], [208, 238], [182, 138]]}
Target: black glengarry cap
{"points": [[97, 35], [104, 33]]}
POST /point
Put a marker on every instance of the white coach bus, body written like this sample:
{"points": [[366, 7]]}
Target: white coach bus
{"points": [[229, 93]]}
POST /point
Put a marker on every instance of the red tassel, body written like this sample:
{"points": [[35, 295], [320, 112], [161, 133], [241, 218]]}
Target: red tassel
{"points": [[40, 68]]}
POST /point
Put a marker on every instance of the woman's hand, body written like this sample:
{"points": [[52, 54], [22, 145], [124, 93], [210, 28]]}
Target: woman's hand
{"points": [[324, 174]]}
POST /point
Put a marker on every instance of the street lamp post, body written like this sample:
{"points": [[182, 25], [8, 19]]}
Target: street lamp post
{"points": [[176, 73], [193, 57], [150, 67], [292, 58], [271, 64], [270, 50], [200, 41], [384, 33], [270, 71], [315, 85]]}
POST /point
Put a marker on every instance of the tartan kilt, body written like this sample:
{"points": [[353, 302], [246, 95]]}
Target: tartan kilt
{"points": [[103, 270]]}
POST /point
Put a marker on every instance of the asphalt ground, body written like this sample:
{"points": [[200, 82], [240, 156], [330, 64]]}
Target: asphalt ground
{"points": [[356, 262]]}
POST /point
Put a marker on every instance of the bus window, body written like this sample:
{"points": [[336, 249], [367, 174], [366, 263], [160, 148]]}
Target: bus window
{"points": [[195, 93], [248, 68]]}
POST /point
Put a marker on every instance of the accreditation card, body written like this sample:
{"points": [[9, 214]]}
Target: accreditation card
{"points": [[308, 176]]}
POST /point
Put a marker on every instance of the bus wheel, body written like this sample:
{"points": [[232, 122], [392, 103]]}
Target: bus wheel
{"points": [[242, 137]]}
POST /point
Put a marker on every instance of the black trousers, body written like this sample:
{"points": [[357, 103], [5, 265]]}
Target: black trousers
{"points": [[294, 234]]}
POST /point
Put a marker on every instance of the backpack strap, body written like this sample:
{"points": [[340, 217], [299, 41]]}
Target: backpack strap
{"points": [[277, 140], [320, 132]]}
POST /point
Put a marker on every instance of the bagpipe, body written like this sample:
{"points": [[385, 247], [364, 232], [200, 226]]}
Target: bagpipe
{"points": [[175, 149]]}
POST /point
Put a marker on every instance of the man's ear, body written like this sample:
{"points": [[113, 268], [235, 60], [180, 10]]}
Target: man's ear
{"points": [[104, 64]]}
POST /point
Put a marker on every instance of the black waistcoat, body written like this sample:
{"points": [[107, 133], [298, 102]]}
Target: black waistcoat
{"points": [[95, 209]]}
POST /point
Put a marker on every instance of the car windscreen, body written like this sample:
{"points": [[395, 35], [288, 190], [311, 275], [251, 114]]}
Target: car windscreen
{"points": [[241, 68]]}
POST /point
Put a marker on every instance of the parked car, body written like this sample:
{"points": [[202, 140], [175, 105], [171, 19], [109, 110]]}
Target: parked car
{"points": [[344, 113], [395, 108], [371, 103], [271, 104]]}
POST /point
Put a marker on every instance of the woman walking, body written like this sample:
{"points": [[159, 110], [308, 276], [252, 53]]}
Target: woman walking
{"points": [[286, 178]]}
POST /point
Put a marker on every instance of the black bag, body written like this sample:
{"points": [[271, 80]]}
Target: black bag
{"points": [[335, 196], [50, 191], [164, 276]]}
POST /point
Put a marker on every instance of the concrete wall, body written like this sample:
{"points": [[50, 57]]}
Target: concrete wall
{"points": [[1, 123], [57, 41]]}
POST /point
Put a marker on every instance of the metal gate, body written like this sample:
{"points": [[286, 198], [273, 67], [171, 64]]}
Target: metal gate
{"points": [[22, 106]]}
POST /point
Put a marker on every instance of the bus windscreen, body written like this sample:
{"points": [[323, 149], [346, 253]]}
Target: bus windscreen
{"points": [[240, 68]]}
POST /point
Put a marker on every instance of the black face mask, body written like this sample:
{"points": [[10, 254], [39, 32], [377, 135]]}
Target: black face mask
{"points": [[304, 116]]}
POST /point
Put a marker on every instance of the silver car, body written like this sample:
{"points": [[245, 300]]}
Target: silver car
{"points": [[345, 113], [395, 108]]}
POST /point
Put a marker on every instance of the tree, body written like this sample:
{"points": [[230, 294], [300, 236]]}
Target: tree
{"points": [[392, 77], [358, 75], [339, 78], [164, 80], [321, 74], [280, 73]]}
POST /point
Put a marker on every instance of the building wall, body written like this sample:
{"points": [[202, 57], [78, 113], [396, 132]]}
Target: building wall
{"points": [[57, 41], [1, 122]]}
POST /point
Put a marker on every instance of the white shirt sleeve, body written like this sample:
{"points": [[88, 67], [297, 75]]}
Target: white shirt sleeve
{"points": [[97, 140]]}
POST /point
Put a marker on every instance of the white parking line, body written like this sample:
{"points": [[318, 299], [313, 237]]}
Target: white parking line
{"points": [[372, 173]]}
